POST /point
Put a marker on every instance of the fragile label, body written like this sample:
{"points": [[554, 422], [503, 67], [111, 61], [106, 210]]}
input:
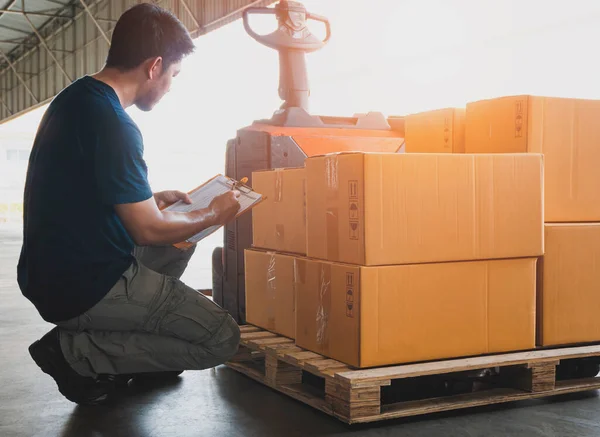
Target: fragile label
{"points": [[446, 133], [353, 189], [349, 294], [354, 231], [519, 118], [353, 210]]}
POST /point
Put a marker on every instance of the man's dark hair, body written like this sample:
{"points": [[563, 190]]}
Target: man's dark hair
{"points": [[145, 31]]}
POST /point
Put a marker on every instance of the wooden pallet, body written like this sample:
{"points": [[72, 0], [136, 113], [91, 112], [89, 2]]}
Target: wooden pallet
{"points": [[358, 396]]}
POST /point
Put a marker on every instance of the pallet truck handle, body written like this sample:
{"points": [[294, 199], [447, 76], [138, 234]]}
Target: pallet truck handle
{"points": [[249, 11], [309, 43], [323, 20]]}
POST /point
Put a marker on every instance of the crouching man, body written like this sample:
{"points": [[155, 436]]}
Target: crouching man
{"points": [[98, 259]]}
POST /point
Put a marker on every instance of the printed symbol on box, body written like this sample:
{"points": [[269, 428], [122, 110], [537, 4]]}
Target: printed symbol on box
{"points": [[519, 119], [354, 230], [353, 189], [350, 295], [349, 279], [353, 210], [446, 132], [349, 302]]}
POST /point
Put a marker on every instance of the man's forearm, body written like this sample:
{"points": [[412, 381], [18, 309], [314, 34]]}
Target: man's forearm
{"points": [[149, 226], [175, 227]]}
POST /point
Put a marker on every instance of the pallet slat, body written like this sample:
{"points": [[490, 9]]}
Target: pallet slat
{"points": [[489, 397], [356, 396], [464, 364], [249, 328], [262, 343]]}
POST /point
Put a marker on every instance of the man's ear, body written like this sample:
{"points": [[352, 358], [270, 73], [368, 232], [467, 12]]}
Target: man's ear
{"points": [[154, 67]]}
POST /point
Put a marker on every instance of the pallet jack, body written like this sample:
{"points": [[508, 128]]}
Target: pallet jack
{"points": [[288, 138]]}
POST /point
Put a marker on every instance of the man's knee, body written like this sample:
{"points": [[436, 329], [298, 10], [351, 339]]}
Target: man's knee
{"points": [[225, 343]]}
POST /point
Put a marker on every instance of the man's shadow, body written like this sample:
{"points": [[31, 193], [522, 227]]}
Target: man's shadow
{"points": [[126, 417]]}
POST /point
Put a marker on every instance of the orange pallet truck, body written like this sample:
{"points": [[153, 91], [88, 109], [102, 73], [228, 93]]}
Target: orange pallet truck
{"points": [[288, 138]]}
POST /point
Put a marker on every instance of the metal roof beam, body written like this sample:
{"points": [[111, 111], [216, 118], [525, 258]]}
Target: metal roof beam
{"points": [[13, 41], [87, 9], [50, 13], [206, 28], [57, 2], [6, 106], [12, 66], [14, 29], [43, 42], [189, 11]]}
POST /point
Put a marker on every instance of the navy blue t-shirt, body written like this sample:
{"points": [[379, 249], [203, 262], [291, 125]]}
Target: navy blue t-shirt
{"points": [[87, 156]]}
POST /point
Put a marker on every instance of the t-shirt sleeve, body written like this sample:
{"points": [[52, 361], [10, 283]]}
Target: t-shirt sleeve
{"points": [[121, 172]]}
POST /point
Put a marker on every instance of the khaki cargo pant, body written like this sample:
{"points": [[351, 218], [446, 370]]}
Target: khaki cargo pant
{"points": [[150, 321]]}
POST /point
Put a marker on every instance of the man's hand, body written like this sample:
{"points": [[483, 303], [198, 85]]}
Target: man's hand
{"points": [[166, 198], [225, 207]]}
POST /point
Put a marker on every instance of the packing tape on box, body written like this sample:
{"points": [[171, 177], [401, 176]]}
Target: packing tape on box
{"points": [[279, 235], [271, 291], [331, 172], [324, 308], [278, 185]]}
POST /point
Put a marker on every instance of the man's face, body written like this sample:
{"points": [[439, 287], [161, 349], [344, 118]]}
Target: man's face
{"points": [[157, 85]]}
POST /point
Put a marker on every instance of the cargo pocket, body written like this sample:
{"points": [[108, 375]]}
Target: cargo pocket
{"points": [[189, 315], [143, 286]]}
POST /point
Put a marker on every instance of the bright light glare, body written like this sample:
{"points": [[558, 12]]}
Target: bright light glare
{"points": [[391, 56]]}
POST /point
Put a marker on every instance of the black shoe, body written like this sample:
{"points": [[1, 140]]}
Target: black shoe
{"points": [[155, 377], [82, 390]]}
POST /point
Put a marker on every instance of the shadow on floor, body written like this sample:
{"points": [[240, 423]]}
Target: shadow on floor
{"points": [[126, 418]]}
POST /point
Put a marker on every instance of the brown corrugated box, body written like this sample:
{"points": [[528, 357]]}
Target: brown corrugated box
{"points": [[566, 131], [439, 131], [279, 222], [270, 294], [387, 209], [375, 316], [569, 289]]}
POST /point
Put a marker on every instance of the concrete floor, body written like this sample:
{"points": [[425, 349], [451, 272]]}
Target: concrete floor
{"points": [[221, 402]]}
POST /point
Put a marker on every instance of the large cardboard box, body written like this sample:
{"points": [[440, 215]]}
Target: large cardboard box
{"points": [[566, 131], [375, 316], [439, 131], [387, 209], [568, 292], [279, 222], [270, 293]]}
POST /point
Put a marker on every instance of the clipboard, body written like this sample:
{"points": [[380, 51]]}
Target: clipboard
{"points": [[202, 196]]}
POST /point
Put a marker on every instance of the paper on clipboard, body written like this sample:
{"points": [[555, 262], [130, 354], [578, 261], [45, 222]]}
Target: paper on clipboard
{"points": [[204, 194]]}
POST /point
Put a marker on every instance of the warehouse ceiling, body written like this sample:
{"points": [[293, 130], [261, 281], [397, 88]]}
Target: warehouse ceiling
{"points": [[46, 44]]}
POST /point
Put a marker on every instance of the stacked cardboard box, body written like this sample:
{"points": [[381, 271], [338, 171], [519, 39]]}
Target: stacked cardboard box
{"points": [[439, 131], [567, 133], [409, 257], [279, 232], [417, 257], [280, 222]]}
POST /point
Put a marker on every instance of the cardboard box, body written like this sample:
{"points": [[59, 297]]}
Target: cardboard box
{"points": [[375, 316], [270, 294], [568, 295], [440, 131], [388, 209], [279, 222], [566, 131]]}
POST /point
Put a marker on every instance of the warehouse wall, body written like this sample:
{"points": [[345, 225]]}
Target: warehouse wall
{"points": [[81, 49]]}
